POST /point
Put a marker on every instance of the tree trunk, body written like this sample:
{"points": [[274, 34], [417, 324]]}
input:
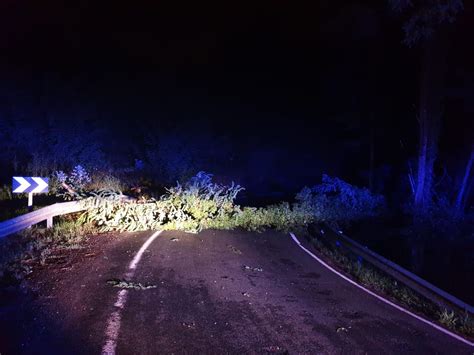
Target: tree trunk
{"points": [[420, 193], [429, 117], [460, 199], [372, 154]]}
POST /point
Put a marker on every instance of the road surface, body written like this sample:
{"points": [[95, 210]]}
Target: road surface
{"points": [[216, 292]]}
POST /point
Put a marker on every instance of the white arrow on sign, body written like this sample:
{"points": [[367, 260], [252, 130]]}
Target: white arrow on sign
{"points": [[41, 185], [24, 184]]}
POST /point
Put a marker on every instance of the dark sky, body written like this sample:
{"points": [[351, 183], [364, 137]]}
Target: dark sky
{"points": [[265, 49], [264, 60], [305, 78]]}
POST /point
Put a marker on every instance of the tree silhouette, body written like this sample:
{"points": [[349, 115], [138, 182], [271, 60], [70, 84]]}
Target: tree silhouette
{"points": [[424, 26]]}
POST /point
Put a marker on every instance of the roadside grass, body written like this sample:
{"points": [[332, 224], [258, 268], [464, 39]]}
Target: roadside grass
{"points": [[448, 318], [39, 246], [463, 323], [466, 324], [380, 282], [5, 193]]}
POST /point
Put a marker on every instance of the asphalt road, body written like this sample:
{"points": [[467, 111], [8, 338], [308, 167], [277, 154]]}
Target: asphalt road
{"points": [[213, 293]]}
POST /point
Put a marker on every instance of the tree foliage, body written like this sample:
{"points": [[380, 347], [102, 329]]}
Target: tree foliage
{"points": [[201, 204], [40, 147], [338, 202], [422, 17]]}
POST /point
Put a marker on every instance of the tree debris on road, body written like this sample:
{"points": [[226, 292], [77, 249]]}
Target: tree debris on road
{"points": [[234, 250], [130, 285], [249, 268]]}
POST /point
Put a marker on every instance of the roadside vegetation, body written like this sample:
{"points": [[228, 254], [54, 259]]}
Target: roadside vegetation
{"points": [[381, 283], [38, 246], [200, 203], [197, 204]]}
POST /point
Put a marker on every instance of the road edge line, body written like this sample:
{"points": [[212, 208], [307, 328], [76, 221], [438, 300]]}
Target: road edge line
{"points": [[433, 325]]}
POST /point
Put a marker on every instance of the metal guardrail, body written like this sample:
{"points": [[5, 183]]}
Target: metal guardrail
{"points": [[413, 281], [27, 220]]}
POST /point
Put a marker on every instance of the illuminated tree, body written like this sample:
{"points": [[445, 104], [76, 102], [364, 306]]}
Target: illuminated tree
{"points": [[424, 26], [463, 189]]}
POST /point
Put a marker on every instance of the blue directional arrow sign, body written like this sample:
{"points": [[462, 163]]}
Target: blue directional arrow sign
{"points": [[29, 184]]}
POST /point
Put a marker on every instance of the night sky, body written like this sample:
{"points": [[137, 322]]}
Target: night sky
{"points": [[284, 91]]}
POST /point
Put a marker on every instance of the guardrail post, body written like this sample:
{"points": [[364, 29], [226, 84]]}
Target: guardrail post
{"points": [[49, 222]]}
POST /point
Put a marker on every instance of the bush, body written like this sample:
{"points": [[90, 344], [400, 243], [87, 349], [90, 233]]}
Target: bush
{"points": [[337, 202], [439, 218], [71, 185], [5, 193], [79, 184], [104, 181]]}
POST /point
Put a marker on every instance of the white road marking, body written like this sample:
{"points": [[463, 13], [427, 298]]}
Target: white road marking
{"points": [[112, 332], [121, 298], [137, 257], [441, 329], [113, 324]]}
